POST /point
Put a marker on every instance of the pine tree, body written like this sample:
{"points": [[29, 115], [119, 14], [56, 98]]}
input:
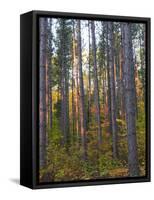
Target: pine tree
{"points": [[82, 97], [129, 88], [42, 96], [96, 89], [112, 90]]}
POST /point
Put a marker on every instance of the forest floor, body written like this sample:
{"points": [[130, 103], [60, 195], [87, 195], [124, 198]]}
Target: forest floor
{"points": [[65, 163]]}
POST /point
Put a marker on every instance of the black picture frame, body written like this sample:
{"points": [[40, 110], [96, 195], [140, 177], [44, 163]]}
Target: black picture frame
{"points": [[29, 98]]}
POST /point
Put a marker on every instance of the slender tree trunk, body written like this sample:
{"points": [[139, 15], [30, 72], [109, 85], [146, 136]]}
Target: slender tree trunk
{"points": [[118, 82], [47, 94], [50, 98], [108, 80], [73, 101], [76, 83], [105, 80], [96, 89], [64, 87], [73, 82], [77, 98], [142, 59], [129, 86], [62, 93], [50, 73], [66, 114], [136, 78], [121, 76], [43, 62], [103, 67], [112, 85], [122, 100], [89, 79], [82, 104]]}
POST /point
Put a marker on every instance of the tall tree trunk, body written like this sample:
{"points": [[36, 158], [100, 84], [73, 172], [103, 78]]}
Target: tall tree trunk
{"points": [[89, 78], [129, 86], [66, 74], [73, 101], [96, 89], [77, 98], [62, 120], [47, 94], [122, 58], [76, 83], [142, 63], [118, 81], [73, 83], [42, 98], [50, 73], [64, 87], [103, 67], [82, 103], [122, 102], [108, 79], [112, 85]]}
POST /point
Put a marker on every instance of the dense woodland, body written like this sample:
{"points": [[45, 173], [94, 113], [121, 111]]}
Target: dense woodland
{"points": [[92, 89]]}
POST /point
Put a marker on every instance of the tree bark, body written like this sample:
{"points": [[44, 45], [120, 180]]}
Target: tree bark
{"points": [[89, 78], [108, 79], [50, 73], [73, 83], [142, 62], [81, 89], [42, 98], [96, 89], [64, 85], [112, 86], [129, 86]]}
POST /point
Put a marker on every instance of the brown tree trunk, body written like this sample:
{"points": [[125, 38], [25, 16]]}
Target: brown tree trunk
{"points": [[89, 79], [96, 89], [50, 73], [112, 86], [129, 86], [81, 89], [73, 83], [64, 86], [108, 81]]}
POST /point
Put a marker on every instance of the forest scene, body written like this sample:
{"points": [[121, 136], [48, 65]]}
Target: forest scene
{"points": [[91, 99]]}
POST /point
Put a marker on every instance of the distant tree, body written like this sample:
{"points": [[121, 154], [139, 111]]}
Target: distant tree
{"points": [[108, 79], [122, 103], [118, 89], [50, 52], [82, 96], [89, 76], [73, 63], [96, 89]]}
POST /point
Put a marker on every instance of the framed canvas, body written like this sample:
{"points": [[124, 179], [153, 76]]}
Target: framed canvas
{"points": [[85, 99]]}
